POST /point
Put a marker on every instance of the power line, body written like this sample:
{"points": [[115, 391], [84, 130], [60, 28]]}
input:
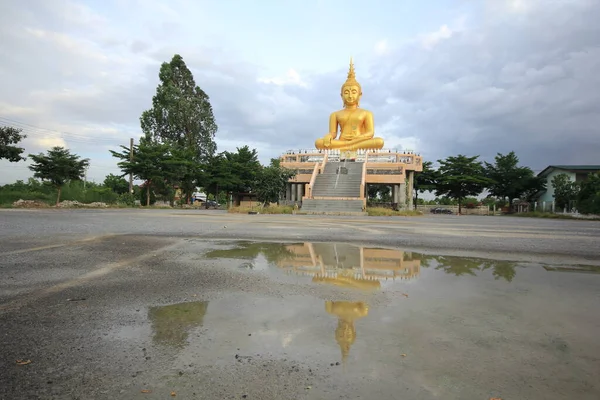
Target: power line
{"points": [[37, 131]]}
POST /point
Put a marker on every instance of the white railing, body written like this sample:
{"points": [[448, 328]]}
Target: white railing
{"points": [[374, 156]]}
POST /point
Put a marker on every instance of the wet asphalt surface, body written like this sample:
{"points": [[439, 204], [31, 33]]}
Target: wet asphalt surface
{"points": [[157, 304]]}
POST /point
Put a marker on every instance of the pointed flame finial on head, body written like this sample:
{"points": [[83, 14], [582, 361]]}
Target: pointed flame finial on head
{"points": [[351, 73], [351, 80]]}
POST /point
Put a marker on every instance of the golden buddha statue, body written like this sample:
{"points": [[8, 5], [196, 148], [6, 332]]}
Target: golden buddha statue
{"points": [[357, 128]]}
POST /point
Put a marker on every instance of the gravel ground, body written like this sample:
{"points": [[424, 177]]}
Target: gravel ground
{"points": [[155, 304]]}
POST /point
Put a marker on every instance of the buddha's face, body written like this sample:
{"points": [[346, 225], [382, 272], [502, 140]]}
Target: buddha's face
{"points": [[351, 95]]}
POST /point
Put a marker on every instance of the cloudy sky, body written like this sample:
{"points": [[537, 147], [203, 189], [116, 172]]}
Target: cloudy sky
{"points": [[442, 77]]}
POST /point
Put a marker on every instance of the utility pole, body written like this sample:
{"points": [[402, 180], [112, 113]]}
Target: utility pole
{"points": [[85, 177], [130, 160]]}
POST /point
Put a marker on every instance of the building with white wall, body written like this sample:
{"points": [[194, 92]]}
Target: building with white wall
{"points": [[576, 173]]}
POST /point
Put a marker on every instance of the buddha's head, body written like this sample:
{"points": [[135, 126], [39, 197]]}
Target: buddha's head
{"points": [[351, 90]]}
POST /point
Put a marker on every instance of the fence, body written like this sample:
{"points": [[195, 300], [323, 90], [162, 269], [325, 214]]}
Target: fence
{"points": [[479, 210]]}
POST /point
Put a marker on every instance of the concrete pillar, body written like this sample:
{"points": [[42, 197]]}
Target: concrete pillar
{"points": [[288, 192], [402, 196], [410, 189], [395, 194], [299, 191]]}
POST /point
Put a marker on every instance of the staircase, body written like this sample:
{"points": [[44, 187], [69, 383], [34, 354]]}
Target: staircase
{"points": [[338, 180]]}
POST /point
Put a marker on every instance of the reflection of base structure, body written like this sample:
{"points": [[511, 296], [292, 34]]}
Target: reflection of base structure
{"points": [[347, 312], [348, 265], [349, 281]]}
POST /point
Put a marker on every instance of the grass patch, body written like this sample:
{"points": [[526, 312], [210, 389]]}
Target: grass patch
{"points": [[388, 212], [262, 210], [538, 214]]}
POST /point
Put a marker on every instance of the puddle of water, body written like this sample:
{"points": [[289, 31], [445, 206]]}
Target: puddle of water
{"points": [[583, 269], [456, 327], [358, 267]]}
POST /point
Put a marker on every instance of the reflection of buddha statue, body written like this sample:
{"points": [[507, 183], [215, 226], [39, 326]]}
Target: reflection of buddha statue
{"points": [[347, 312], [357, 128]]}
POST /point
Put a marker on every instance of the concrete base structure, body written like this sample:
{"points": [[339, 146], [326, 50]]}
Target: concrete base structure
{"points": [[339, 179]]}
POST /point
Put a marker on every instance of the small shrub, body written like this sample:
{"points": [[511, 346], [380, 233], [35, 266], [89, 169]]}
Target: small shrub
{"points": [[539, 214], [262, 210], [388, 212], [126, 199]]}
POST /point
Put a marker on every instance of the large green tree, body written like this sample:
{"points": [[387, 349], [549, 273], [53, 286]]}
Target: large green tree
{"points": [[271, 181], [511, 180], [245, 167], [116, 183], [565, 191], [181, 112], [58, 167], [426, 180], [461, 176], [231, 171], [9, 138], [588, 198], [153, 162], [218, 175]]}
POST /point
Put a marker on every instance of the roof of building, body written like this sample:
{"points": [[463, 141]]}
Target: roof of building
{"points": [[573, 168]]}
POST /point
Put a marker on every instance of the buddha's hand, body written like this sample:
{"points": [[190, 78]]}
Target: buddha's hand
{"points": [[327, 141]]}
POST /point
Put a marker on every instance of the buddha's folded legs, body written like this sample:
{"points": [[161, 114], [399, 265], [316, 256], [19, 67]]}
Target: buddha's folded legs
{"points": [[373, 143]]}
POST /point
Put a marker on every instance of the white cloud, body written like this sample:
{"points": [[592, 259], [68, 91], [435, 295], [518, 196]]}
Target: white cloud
{"points": [[519, 76], [382, 47], [292, 77], [431, 39]]}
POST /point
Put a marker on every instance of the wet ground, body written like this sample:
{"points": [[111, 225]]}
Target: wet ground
{"points": [[154, 305]]}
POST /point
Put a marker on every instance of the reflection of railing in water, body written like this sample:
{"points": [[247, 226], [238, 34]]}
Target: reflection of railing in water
{"points": [[360, 264]]}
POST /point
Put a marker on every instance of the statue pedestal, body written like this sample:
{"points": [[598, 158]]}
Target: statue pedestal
{"points": [[348, 154]]}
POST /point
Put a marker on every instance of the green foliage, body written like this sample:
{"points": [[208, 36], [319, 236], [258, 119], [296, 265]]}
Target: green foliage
{"points": [[379, 193], [57, 167], [147, 197], [116, 183], [471, 202], [89, 192], [271, 181], [588, 198], [127, 199], [565, 190], [445, 201], [426, 180], [45, 192], [492, 201], [511, 181], [459, 177], [153, 162], [232, 172], [275, 209], [181, 113], [30, 190], [459, 266], [548, 215], [388, 212], [9, 137]]}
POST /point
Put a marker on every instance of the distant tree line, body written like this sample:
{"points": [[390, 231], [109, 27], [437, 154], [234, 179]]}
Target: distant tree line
{"points": [[177, 151], [460, 178]]}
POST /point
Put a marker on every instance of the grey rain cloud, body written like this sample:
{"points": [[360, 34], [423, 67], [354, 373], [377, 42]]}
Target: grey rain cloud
{"points": [[527, 82]]}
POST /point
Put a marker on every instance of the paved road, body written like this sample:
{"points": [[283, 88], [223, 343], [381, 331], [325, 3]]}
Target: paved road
{"points": [[127, 304]]}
